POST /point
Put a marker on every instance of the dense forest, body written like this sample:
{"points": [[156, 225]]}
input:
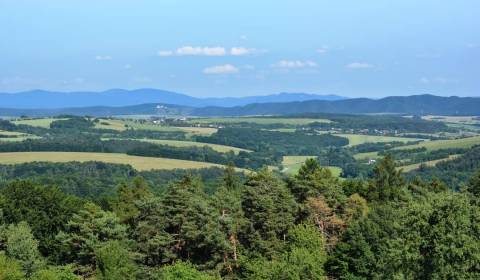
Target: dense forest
{"points": [[308, 226]]}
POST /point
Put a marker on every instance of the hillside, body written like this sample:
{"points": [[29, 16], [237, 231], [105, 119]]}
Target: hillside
{"points": [[415, 105], [40, 99]]}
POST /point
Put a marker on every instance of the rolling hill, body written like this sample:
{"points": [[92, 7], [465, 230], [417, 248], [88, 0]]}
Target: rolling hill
{"points": [[40, 99], [415, 105]]}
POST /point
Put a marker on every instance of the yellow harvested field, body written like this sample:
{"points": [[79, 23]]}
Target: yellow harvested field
{"points": [[139, 163], [177, 143], [117, 125], [444, 144], [44, 122], [431, 163], [357, 139], [11, 133]]}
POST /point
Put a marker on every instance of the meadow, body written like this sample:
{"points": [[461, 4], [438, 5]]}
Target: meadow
{"points": [[445, 144], [42, 122], [358, 139], [408, 168], [121, 125], [137, 162], [292, 164], [177, 143]]}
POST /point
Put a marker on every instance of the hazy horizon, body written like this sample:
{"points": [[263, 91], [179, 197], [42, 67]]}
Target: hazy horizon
{"points": [[243, 48]]}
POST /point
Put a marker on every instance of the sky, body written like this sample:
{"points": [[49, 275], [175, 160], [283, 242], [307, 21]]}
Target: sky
{"points": [[370, 48]]}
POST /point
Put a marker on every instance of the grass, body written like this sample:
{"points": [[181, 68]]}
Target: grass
{"points": [[358, 139], [293, 163], [365, 156], [445, 144], [177, 143], [203, 131], [117, 125], [408, 168], [289, 130], [264, 121], [10, 133], [43, 122], [139, 163]]}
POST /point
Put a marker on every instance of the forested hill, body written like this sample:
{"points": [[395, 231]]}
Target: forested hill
{"points": [[415, 104]]}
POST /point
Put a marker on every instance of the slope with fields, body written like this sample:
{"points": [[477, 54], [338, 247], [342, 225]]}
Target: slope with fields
{"points": [[137, 162]]}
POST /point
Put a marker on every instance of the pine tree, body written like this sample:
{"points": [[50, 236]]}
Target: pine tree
{"points": [[85, 232], [270, 210], [180, 226]]}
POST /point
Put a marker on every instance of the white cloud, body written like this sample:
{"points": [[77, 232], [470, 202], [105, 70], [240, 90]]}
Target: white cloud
{"points": [[291, 64], [221, 69], [103, 57], [437, 80], [165, 53], [208, 51], [359, 65], [241, 51]]}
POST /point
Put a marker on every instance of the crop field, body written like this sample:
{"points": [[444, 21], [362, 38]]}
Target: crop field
{"points": [[177, 143], [139, 163], [445, 144], [10, 133], [203, 131], [44, 122], [365, 156], [117, 125], [292, 164], [431, 163], [357, 139], [264, 121]]}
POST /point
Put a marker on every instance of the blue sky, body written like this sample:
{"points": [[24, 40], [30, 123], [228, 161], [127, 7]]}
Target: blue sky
{"points": [[353, 48]]}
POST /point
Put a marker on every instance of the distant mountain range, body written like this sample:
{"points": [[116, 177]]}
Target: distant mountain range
{"points": [[40, 99], [415, 104]]}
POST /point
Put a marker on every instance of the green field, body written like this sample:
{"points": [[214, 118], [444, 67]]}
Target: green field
{"points": [[177, 143], [139, 163], [358, 139], [365, 156], [445, 144], [292, 164], [117, 125], [204, 131], [264, 121], [11, 133], [44, 122], [431, 163]]}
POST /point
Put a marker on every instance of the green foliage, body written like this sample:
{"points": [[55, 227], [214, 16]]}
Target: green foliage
{"points": [[304, 258], [45, 209], [125, 204], [183, 271], [114, 262], [55, 273], [87, 231], [180, 226], [474, 184], [388, 183], [21, 246], [10, 269], [427, 238], [270, 210]]}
